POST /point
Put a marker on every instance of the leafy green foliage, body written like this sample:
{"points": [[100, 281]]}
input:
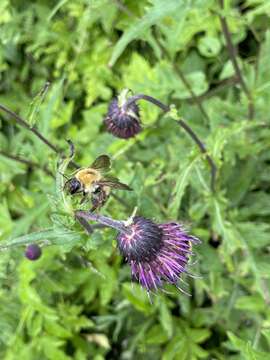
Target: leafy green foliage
{"points": [[61, 62]]}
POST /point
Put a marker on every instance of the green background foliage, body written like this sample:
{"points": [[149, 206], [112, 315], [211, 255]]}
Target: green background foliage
{"points": [[77, 301]]}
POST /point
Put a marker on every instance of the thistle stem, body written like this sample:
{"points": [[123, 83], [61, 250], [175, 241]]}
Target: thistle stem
{"points": [[154, 101], [233, 56], [203, 150], [84, 223], [184, 125], [20, 121], [104, 220], [180, 74], [27, 162]]}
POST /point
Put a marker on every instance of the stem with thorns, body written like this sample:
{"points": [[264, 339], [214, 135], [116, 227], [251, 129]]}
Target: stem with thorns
{"points": [[233, 56], [103, 220], [27, 162], [20, 121], [184, 125]]}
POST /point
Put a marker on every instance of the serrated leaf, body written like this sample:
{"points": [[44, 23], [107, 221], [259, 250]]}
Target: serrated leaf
{"points": [[179, 188], [51, 236], [159, 11], [251, 303], [165, 318], [137, 297]]}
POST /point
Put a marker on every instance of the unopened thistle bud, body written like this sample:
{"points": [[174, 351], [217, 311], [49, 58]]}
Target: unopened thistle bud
{"points": [[33, 252], [123, 121], [157, 253]]}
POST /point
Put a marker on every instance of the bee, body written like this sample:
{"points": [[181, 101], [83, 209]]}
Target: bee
{"points": [[93, 181]]}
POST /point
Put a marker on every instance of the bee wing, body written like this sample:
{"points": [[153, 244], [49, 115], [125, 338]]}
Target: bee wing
{"points": [[102, 163], [114, 183]]}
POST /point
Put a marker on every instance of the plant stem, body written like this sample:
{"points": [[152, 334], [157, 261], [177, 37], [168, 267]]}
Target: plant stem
{"points": [[203, 149], [184, 125], [27, 162], [20, 121], [195, 99], [137, 97], [104, 220], [123, 8], [88, 228], [212, 92], [233, 56], [181, 75]]}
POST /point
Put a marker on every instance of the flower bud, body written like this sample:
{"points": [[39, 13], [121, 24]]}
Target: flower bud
{"points": [[33, 252], [123, 122]]}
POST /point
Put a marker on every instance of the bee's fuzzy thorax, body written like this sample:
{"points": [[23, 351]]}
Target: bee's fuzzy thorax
{"points": [[88, 177]]}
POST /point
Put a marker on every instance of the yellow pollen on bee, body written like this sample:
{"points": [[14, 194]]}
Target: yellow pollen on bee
{"points": [[88, 177]]}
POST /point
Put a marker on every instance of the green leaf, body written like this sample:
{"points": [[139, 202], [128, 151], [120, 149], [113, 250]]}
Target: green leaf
{"points": [[137, 297], [253, 303], [209, 46], [245, 348], [156, 14], [165, 318], [36, 103], [48, 236], [156, 335], [181, 183]]}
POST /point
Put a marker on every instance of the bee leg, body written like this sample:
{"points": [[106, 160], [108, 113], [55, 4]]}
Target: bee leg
{"points": [[93, 208], [65, 184], [84, 198], [99, 201], [65, 176]]}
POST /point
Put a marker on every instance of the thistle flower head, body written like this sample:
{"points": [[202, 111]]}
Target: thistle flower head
{"points": [[123, 121], [33, 252], [157, 253]]}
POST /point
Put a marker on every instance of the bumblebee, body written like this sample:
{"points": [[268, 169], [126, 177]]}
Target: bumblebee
{"points": [[93, 181]]}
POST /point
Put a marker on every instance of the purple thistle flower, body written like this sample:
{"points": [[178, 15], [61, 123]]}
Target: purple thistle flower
{"points": [[33, 252], [157, 253], [121, 121]]}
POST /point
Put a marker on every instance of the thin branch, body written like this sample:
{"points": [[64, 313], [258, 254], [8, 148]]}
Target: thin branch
{"points": [[103, 220], [212, 92], [181, 75], [194, 97], [123, 8], [233, 56], [88, 228], [154, 101], [184, 125], [24, 124], [20, 121], [203, 150], [27, 162]]}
